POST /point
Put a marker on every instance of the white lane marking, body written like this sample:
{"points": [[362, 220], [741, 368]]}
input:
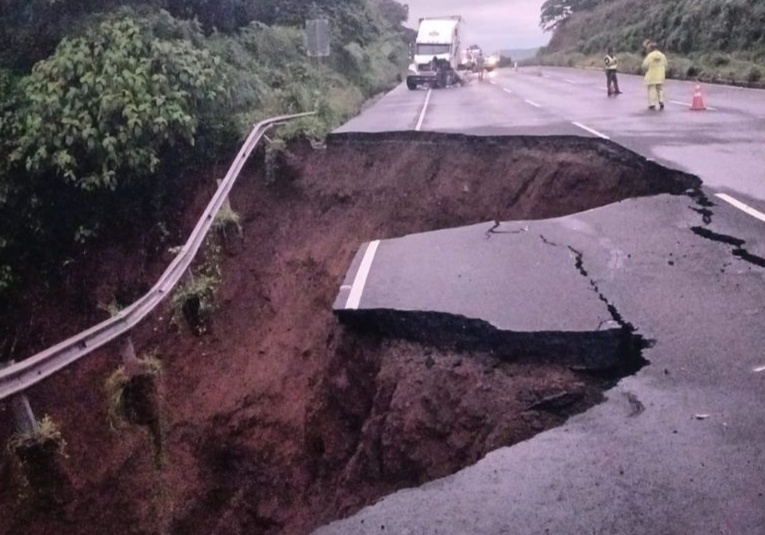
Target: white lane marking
{"points": [[570, 81], [741, 206], [710, 108], [506, 90], [533, 103], [422, 113], [354, 298], [759, 369], [590, 130]]}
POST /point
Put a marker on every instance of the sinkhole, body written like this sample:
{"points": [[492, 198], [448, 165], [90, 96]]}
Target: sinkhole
{"points": [[315, 410]]}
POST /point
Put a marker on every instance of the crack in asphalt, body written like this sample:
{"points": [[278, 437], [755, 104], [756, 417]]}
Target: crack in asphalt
{"points": [[612, 310], [739, 251], [636, 406], [496, 225], [704, 205], [737, 243], [630, 344], [548, 242]]}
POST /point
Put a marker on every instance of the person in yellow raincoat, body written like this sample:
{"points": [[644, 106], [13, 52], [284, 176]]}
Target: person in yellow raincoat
{"points": [[655, 66]]}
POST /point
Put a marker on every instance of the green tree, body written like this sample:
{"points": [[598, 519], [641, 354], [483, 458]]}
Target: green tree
{"points": [[556, 12]]}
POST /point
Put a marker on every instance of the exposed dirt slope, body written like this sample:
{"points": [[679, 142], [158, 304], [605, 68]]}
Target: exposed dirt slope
{"points": [[278, 419]]}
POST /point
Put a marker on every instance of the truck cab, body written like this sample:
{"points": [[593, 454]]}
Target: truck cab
{"points": [[437, 54]]}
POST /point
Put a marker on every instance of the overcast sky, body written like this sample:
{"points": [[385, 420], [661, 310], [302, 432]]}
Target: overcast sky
{"points": [[492, 24]]}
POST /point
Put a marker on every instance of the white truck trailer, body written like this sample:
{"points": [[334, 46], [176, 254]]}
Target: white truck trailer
{"points": [[438, 53]]}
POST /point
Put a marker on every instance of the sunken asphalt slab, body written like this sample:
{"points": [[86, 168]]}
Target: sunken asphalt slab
{"points": [[676, 448], [498, 274]]}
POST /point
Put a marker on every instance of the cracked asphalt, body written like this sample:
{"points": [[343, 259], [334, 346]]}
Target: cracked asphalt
{"points": [[642, 462], [678, 447]]}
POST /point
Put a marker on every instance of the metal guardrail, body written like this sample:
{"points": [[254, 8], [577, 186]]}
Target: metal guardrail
{"points": [[22, 375]]}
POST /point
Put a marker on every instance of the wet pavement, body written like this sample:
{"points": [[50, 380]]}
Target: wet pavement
{"points": [[679, 447]]}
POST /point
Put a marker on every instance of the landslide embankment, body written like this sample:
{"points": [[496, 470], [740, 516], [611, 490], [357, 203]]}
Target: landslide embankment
{"points": [[277, 419]]}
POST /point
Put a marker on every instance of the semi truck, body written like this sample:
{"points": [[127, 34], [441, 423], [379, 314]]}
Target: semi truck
{"points": [[437, 54]]}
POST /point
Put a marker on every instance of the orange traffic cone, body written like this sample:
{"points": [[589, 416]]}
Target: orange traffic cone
{"points": [[698, 99]]}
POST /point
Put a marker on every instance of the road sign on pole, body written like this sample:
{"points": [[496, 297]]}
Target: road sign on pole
{"points": [[317, 37]]}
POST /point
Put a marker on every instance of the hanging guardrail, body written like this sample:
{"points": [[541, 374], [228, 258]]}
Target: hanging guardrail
{"points": [[19, 376]]}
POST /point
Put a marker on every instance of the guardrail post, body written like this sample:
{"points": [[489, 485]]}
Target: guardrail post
{"points": [[22, 411], [231, 231], [129, 359], [226, 202]]}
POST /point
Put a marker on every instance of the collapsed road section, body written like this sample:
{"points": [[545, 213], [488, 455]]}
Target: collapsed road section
{"points": [[503, 287], [277, 417]]}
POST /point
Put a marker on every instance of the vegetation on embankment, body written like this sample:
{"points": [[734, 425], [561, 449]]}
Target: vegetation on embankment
{"points": [[708, 40], [107, 108]]}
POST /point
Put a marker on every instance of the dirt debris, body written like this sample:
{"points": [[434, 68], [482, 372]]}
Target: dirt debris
{"points": [[278, 419]]}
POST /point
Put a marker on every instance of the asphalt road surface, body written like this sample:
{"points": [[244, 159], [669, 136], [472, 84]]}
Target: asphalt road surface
{"points": [[677, 448]]}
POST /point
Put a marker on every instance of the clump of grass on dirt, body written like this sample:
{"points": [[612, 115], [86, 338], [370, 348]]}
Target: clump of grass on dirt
{"points": [[46, 431], [226, 220], [119, 412], [38, 455], [194, 298], [133, 399], [228, 227]]}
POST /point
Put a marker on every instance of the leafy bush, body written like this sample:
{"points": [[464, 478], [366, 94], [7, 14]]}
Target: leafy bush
{"points": [[103, 107], [719, 60], [95, 140]]}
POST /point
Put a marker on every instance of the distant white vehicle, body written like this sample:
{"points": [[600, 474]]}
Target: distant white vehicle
{"points": [[491, 62], [438, 52], [471, 57]]}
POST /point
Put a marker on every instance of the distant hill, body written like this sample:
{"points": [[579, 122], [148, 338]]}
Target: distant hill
{"points": [[520, 54], [719, 41], [680, 26]]}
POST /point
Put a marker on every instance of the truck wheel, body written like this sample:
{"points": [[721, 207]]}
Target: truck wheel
{"points": [[411, 84]]}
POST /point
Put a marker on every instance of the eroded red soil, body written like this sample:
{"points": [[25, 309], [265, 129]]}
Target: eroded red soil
{"points": [[278, 419]]}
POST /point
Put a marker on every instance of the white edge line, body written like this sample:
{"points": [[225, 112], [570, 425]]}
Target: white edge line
{"points": [[533, 103], [354, 298], [759, 369], [570, 81], [422, 113], [590, 130], [506, 90], [743, 207]]}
